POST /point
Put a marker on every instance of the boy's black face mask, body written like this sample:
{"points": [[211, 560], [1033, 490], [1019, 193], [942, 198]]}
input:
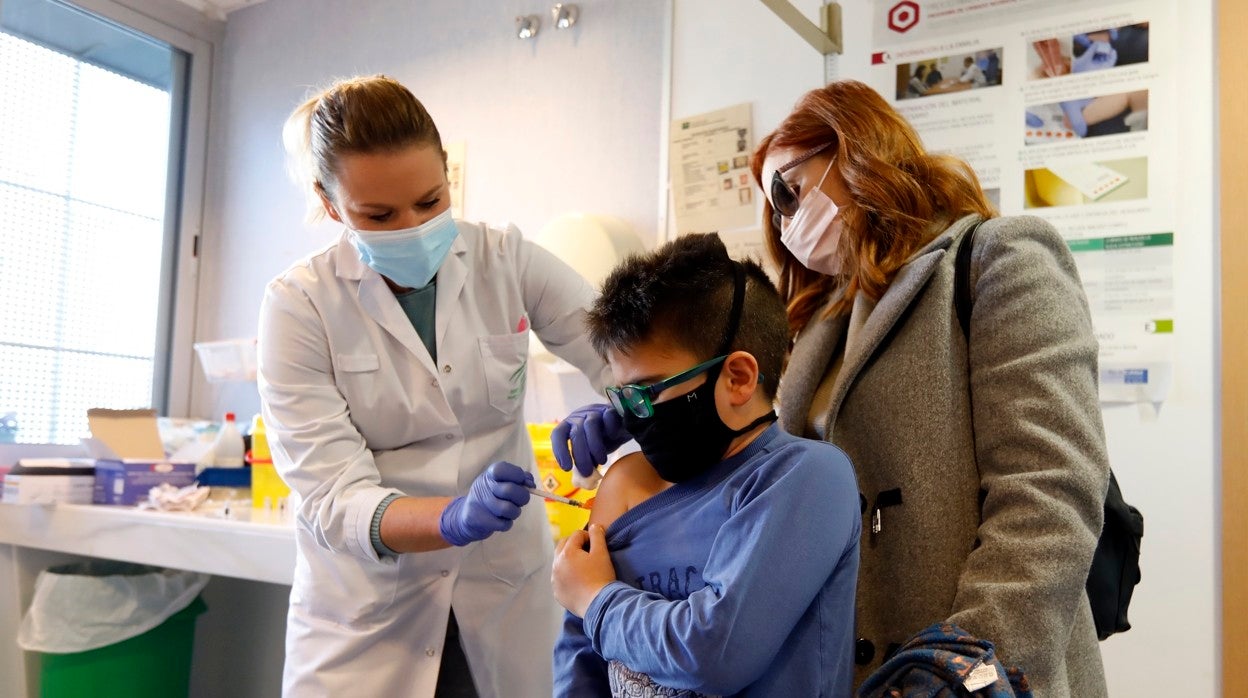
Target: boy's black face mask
{"points": [[685, 436]]}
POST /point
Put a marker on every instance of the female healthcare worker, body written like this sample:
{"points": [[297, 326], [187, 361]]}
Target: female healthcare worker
{"points": [[392, 374]]}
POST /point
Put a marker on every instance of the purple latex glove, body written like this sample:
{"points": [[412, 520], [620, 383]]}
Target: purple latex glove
{"points": [[491, 505], [1098, 56], [595, 432]]}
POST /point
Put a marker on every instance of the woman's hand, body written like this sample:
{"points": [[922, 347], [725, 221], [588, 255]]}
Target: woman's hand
{"points": [[578, 575], [595, 432]]}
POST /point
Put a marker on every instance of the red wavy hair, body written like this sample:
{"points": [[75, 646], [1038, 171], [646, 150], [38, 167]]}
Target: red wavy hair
{"points": [[901, 196]]}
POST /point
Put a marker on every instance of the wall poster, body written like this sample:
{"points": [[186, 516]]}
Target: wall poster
{"points": [[712, 189], [456, 156], [1050, 102]]}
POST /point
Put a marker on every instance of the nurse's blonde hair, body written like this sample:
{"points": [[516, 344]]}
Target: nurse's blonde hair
{"points": [[354, 115]]}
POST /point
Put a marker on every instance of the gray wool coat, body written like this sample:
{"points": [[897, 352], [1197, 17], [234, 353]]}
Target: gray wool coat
{"points": [[988, 521]]}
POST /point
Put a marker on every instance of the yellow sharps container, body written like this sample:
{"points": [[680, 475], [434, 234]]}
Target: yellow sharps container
{"points": [[267, 486], [564, 519]]}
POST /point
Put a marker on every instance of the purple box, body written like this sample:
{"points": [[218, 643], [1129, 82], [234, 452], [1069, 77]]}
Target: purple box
{"points": [[127, 481]]}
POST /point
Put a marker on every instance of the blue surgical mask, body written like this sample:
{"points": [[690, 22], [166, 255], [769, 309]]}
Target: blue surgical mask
{"points": [[410, 257]]}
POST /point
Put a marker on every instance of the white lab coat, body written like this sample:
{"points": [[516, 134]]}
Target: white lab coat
{"points": [[355, 410]]}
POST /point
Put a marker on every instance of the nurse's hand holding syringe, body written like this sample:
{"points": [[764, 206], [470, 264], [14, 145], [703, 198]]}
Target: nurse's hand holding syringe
{"points": [[493, 502], [584, 440]]}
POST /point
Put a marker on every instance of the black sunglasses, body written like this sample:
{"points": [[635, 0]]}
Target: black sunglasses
{"points": [[784, 200]]}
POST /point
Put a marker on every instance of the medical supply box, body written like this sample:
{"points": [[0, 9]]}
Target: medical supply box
{"points": [[130, 459], [50, 480], [127, 481]]}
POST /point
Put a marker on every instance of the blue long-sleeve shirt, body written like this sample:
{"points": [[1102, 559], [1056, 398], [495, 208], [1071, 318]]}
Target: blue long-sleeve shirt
{"points": [[738, 582]]}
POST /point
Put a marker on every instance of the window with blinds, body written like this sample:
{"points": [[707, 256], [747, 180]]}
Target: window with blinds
{"points": [[84, 245]]}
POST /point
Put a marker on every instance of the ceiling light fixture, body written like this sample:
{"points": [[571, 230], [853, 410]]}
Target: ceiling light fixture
{"points": [[564, 15], [527, 26]]}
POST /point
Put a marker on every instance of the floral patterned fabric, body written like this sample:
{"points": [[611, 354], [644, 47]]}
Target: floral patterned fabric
{"points": [[626, 683]]}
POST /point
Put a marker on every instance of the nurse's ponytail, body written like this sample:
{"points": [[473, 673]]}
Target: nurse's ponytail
{"points": [[355, 115]]}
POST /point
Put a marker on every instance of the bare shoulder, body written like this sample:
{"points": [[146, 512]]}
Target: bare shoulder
{"points": [[630, 481]]}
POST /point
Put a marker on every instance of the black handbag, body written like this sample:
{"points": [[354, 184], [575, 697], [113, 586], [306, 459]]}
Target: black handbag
{"points": [[1116, 565]]}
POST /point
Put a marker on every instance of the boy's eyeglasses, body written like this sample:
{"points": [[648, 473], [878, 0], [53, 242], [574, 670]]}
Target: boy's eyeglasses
{"points": [[639, 399], [784, 200]]}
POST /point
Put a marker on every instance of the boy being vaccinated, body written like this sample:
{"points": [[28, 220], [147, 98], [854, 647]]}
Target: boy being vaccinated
{"points": [[722, 559]]}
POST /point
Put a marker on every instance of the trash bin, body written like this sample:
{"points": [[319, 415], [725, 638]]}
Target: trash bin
{"points": [[108, 629]]}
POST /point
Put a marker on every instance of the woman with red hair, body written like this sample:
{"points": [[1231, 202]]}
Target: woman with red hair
{"points": [[980, 457]]}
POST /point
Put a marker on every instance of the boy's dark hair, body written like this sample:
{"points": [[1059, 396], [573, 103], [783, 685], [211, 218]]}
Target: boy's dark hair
{"points": [[682, 292]]}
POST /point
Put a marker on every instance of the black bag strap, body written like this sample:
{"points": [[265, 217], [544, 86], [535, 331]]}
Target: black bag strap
{"points": [[962, 281], [1115, 566]]}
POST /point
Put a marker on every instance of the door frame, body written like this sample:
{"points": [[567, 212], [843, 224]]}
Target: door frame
{"points": [[1232, 226]]}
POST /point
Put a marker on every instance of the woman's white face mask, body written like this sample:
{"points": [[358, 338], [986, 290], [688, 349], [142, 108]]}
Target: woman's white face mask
{"points": [[813, 235]]}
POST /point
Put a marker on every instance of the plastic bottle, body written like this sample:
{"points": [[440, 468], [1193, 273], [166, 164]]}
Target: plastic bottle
{"points": [[228, 448], [259, 442]]}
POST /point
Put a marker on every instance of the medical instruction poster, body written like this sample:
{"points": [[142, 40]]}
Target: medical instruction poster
{"points": [[1066, 110], [712, 188], [1129, 282]]}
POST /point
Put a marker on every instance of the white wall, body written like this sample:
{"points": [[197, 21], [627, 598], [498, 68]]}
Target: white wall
{"points": [[568, 121], [731, 51], [726, 52]]}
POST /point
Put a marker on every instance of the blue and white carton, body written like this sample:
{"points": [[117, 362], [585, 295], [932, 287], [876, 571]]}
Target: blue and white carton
{"points": [[130, 459]]}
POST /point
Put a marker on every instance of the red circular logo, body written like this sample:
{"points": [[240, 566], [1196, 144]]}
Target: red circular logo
{"points": [[903, 16]]}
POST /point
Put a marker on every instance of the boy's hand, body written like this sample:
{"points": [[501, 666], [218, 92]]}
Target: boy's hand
{"points": [[578, 575]]}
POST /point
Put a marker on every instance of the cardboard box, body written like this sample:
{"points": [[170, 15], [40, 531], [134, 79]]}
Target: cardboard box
{"points": [[130, 459], [50, 480]]}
